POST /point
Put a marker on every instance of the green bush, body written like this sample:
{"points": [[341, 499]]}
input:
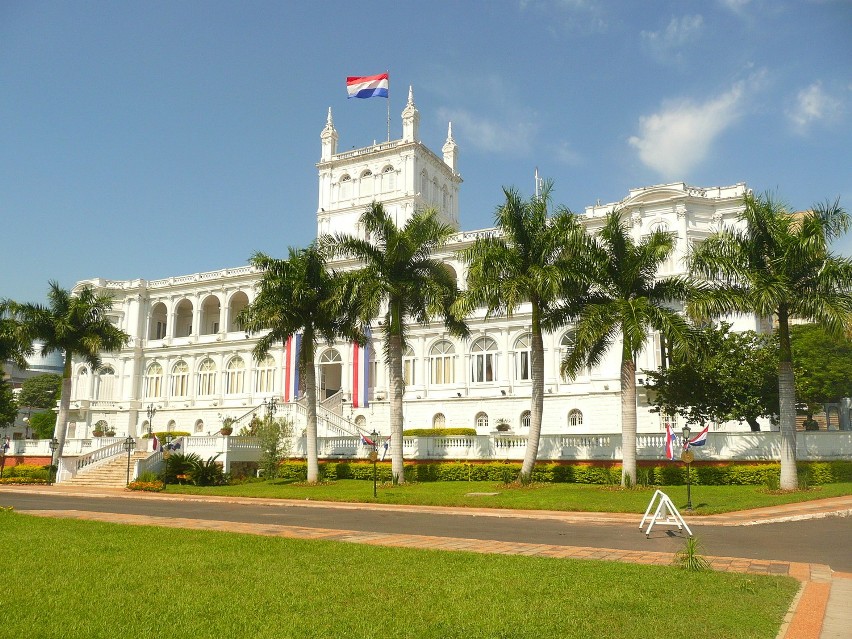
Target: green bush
{"points": [[161, 435], [27, 471], [608, 473], [437, 432]]}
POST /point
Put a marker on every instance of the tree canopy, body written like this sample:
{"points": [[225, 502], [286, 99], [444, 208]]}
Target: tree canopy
{"points": [[41, 391]]}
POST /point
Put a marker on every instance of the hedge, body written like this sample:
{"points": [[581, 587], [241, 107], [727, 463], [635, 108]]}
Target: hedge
{"points": [[161, 435], [437, 432], [26, 471], [710, 474]]}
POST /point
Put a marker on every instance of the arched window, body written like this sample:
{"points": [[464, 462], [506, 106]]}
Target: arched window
{"points": [[210, 312], [199, 425], [525, 419], [441, 363], [180, 379], [81, 384], [439, 421], [157, 325], [409, 366], [264, 375], [101, 426], [105, 384], [388, 179], [183, 319], [566, 345], [575, 418], [483, 360], [154, 380], [345, 186], [170, 426], [235, 376], [206, 377], [482, 420], [522, 358], [361, 422], [236, 304], [366, 184]]}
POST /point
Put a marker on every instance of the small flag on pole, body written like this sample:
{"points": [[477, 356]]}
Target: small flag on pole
{"points": [[156, 442], [367, 86], [699, 440], [292, 347], [366, 440], [361, 373], [670, 442]]}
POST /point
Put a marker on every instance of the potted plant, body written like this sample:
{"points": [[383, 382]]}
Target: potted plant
{"points": [[110, 432], [227, 426], [503, 426], [98, 432]]}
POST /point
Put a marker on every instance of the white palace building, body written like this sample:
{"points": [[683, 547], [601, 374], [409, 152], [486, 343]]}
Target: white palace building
{"points": [[189, 359]]}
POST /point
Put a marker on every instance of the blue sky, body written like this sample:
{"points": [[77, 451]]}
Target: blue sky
{"points": [[147, 139]]}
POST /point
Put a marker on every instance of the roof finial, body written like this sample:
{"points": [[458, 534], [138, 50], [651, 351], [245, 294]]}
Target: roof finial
{"points": [[410, 95], [328, 120], [450, 132]]}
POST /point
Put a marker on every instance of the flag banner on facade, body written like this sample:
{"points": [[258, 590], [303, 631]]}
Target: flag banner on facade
{"points": [[155, 442], [670, 442], [699, 440], [367, 86], [361, 373], [292, 348], [366, 440]]}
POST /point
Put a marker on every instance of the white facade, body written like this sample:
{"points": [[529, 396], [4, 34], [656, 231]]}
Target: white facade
{"points": [[189, 359]]}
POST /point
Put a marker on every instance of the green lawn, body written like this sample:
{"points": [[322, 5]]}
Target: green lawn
{"points": [[570, 497], [93, 580]]}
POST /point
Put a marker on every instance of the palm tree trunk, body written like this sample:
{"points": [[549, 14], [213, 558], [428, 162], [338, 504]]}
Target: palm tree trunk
{"points": [[310, 409], [61, 427], [628, 421], [787, 401], [537, 400], [397, 388]]}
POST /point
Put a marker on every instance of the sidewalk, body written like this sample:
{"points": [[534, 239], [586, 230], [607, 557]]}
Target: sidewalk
{"points": [[821, 610]]}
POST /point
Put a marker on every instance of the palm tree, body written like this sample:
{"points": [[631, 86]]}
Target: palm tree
{"points": [[626, 301], [14, 344], [532, 262], [76, 326], [400, 276], [299, 295], [778, 265]]}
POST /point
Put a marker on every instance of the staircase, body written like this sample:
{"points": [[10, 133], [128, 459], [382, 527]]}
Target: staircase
{"points": [[110, 474]]}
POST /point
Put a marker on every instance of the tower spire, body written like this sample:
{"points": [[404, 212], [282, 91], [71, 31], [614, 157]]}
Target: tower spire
{"points": [[410, 119]]}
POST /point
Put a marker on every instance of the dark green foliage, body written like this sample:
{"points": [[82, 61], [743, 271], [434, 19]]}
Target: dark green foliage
{"points": [[27, 470], [41, 391], [206, 473], [822, 364], [438, 432], [8, 405], [161, 435], [43, 424], [274, 436], [179, 464]]}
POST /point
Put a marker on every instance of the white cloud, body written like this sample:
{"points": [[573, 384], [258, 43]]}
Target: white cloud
{"points": [[812, 104], [505, 135], [678, 137], [680, 31], [737, 6]]}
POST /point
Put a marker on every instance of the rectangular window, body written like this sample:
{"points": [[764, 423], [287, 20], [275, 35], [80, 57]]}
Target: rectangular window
{"points": [[482, 368], [523, 365]]}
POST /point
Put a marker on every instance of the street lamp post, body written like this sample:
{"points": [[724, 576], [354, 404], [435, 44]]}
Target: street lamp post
{"points": [[151, 412], [374, 455], [129, 444], [271, 405], [54, 445], [687, 456]]}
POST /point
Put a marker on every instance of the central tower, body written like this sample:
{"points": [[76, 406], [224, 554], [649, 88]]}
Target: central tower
{"points": [[404, 175]]}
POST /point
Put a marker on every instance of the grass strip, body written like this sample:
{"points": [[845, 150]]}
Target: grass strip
{"points": [[706, 500], [98, 580]]}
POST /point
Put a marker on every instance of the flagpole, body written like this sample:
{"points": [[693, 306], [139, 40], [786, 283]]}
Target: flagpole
{"points": [[388, 72]]}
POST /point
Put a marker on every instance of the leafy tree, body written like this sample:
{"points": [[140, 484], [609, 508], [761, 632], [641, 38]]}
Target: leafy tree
{"points": [[822, 364], [778, 265], [725, 376], [627, 300], [74, 325], [300, 295], [532, 263], [41, 391], [275, 444], [399, 278], [8, 405], [43, 424], [15, 343]]}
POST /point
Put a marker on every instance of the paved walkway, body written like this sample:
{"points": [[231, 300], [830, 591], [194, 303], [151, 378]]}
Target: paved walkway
{"points": [[822, 608]]}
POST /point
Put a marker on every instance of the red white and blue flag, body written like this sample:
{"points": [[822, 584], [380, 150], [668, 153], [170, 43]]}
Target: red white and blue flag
{"points": [[366, 440], [671, 438], [367, 86], [292, 349], [360, 373], [699, 440]]}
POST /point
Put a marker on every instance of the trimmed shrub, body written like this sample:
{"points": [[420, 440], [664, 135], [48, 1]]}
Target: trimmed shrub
{"points": [[437, 432]]}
